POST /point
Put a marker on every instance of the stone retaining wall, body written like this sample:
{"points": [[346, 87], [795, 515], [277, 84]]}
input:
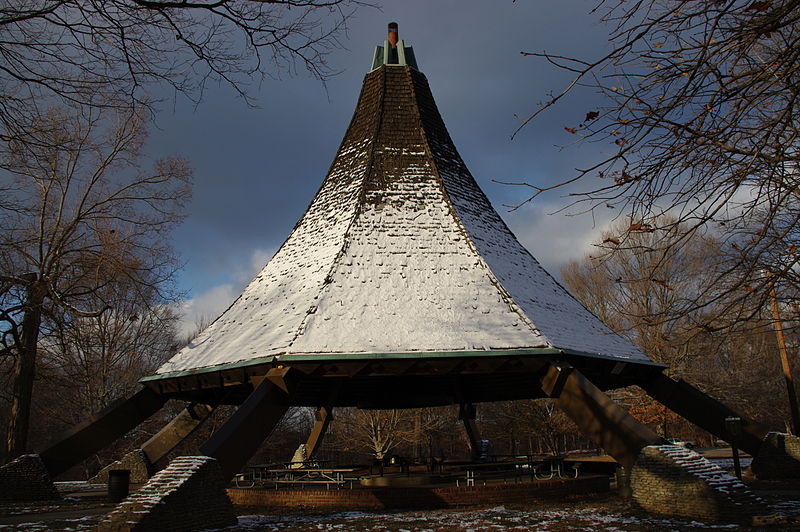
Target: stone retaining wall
{"points": [[673, 480]]}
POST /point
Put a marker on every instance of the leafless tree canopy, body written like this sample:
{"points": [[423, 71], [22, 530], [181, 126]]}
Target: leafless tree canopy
{"points": [[72, 50], [86, 363], [698, 108], [728, 350], [84, 223], [84, 207]]}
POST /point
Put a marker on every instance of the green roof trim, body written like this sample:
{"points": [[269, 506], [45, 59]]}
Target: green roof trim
{"points": [[402, 55], [343, 357], [321, 357]]}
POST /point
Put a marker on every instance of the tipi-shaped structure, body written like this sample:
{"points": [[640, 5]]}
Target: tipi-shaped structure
{"points": [[399, 287], [399, 256]]}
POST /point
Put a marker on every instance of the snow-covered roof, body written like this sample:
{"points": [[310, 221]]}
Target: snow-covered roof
{"points": [[399, 252]]}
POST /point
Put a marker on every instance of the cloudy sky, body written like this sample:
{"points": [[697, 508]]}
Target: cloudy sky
{"points": [[256, 169]]}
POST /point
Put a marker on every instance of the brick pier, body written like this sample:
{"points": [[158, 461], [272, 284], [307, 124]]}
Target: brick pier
{"points": [[417, 497]]}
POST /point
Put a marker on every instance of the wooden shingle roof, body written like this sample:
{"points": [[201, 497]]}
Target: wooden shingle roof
{"points": [[399, 253]]}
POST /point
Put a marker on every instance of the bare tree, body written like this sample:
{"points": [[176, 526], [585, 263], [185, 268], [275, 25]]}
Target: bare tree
{"points": [[646, 291], [378, 432], [527, 426], [88, 362], [85, 363], [82, 217], [698, 102], [68, 51], [430, 429]]}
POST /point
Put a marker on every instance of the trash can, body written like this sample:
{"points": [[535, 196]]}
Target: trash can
{"points": [[119, 481]]}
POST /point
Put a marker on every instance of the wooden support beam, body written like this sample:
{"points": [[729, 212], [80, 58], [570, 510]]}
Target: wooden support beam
{"points": [[703, 410], [177, 430], [467, 414], [236, 441], [89, 437], [599, 418], [323, 415]]}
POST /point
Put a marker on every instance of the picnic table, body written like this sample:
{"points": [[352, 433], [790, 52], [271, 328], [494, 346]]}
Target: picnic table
{"points": [[555, 467], [538, 468], [301, 476]]}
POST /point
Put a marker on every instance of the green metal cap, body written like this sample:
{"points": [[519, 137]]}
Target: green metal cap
{"points": [[394, 52]]}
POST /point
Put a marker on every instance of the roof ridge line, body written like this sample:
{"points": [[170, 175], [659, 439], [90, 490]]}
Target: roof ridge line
{"points": [[504, 294]]}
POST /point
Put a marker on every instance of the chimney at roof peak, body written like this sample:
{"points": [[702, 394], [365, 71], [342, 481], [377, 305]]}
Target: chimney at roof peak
{"points": [[393, 51]]}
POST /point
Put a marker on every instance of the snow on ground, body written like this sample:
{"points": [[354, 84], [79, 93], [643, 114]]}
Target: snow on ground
{"points": [[77, 524], [584, 518], [609, 514], [602, 513], [786, 507]]}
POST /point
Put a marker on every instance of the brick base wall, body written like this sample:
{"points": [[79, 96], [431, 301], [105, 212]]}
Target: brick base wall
{"points": [[417, 498], [188, 495], [135, 461], [672, 480], [26, 479], [778, 457]]}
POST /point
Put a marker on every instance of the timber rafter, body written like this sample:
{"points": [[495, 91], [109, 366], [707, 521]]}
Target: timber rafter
{"points": [[386, 382]]}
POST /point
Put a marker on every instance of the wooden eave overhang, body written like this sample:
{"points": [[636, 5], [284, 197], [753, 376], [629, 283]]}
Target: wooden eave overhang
{"points": [[397, 380]]}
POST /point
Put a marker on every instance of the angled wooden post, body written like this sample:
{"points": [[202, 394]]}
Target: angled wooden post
{"points": [[703, 410], [236, 441], [467, 414], [323, 416], [599, 418], [177, 430], [111, 423]]}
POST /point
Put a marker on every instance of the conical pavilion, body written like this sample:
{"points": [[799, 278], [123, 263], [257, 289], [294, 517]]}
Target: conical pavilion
{"points": [[399, 287], [400, 254]]}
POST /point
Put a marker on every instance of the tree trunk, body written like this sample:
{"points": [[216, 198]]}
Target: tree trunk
{"points": [[24, 372]]}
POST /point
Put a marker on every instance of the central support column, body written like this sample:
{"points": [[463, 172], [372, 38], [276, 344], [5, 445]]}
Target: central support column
{"points": [[599, 418], [238, 439]]}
